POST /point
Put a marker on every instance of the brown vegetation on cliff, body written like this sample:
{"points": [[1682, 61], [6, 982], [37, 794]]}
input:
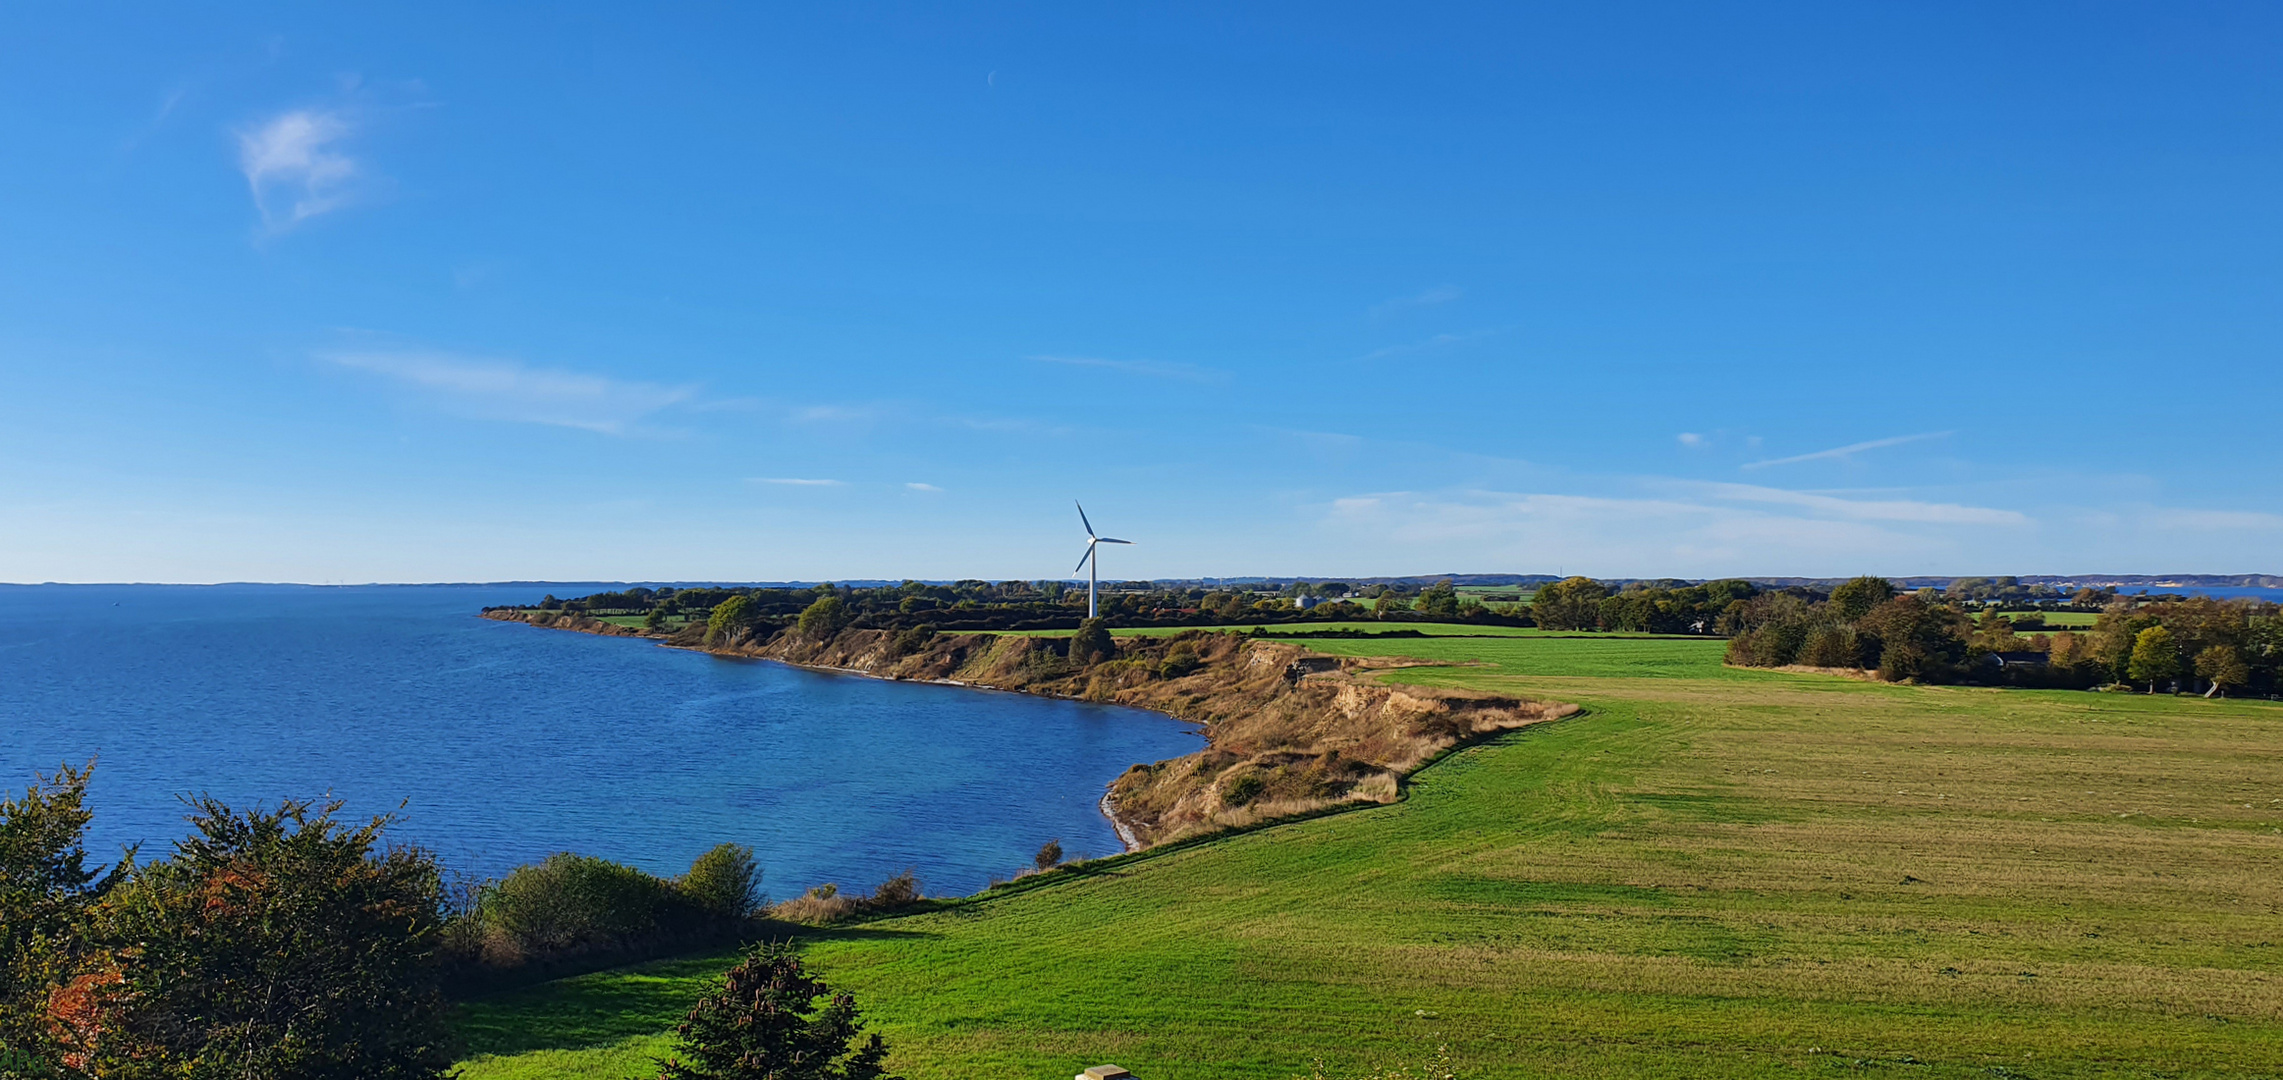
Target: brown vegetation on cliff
{"points": [[1288, 731]]}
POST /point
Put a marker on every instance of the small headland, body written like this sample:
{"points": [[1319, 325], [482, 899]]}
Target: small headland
{"points": [[1288, 730]]}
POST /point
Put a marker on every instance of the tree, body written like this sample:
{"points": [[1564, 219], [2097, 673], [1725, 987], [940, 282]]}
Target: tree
{"points": [[2223, 665], [726, 618], [764, 1022], [1388, 604], [1439, 599], [2154, 657], [46, 892], [823, 619], [656, 618], [1049, 855], [1917, 639], [1855, 598], [724, 881], [1569, 604], [273, 943], [1092, 644]]}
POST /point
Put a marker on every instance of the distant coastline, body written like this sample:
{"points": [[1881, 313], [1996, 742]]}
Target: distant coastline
{"points": [[1287, 731]]}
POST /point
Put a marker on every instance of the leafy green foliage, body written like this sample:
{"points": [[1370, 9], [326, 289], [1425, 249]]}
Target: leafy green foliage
{"points": [[1572, 603], [271, 943], [824, 618], [724, 882], [1917, 639], [1438, 599], [1092, 643], [2222, 666], [1854, 599], [2155, 656], [568, 902], [769, 1019], [726, 618], [46, 892]]}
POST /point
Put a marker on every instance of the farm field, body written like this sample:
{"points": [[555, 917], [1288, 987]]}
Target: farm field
{"points": [[1713, 872], [2076, 620]]}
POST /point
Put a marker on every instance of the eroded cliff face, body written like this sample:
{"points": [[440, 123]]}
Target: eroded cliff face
{"points": [[1288, 730]]}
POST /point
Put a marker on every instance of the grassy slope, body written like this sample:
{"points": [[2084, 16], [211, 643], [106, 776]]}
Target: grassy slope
{"points": [[1714, 873]]}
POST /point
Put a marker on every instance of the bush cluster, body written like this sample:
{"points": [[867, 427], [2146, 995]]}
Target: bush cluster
{"points": [[566, 906], [2216, 646], [271, 942]]}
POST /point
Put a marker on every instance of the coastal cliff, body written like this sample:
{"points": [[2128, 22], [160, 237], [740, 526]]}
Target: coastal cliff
{"points": [[1287, 730]]}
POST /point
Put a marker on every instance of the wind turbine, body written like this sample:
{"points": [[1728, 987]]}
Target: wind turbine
{"points": [[1090, 562]]}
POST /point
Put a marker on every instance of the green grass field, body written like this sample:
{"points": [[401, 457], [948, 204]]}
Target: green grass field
{"points": [[1712, 873], [1374, 627], [2074, 620]]}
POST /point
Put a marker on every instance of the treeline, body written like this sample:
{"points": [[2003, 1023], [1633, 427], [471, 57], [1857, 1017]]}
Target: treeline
{"points": [[1664, 607], [969, 606], [289, 942], [2194, 644]]}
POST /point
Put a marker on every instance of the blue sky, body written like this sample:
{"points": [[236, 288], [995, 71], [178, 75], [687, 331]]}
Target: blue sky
{"points": [[722, 292]]}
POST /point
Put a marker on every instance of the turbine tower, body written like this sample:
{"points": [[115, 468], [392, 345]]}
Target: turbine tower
{"points": [[1089, 561]]}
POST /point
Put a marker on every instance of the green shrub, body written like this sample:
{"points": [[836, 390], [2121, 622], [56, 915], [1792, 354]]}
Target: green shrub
{"points": [[1831, 645], [1092, 643], [912, 640], [271, 943], [1242, 789], [724, 882], [899, 891], [571, 901]]}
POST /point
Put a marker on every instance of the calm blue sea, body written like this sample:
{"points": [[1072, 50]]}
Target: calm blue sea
{"points": [[504, 743]]}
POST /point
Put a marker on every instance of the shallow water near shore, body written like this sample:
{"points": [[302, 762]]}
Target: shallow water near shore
{"points": [[506, 742]]}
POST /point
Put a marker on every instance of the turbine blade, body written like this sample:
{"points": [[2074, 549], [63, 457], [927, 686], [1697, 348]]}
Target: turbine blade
{"points": [[1082, 559], [1107, 540], [1082, 517]]}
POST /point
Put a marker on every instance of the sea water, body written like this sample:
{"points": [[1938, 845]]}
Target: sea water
{"points": [[498, 743]]}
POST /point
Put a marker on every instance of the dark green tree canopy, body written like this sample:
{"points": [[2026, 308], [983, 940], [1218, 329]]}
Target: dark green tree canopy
{"points": [[1572, 603], [1855, 599], [769, 1019], [1092, 643]]}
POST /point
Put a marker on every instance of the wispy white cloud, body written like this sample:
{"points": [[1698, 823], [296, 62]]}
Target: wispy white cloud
{"points": [[1152, 368], [494, 389], [1867, 509], [831, 413], [1439, 341], [1849, 450], [917, 486], [795, 481], [1690, 439], [294, 167], [1440, 294]]}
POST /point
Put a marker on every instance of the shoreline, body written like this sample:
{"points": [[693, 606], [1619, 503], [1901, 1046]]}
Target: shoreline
{"points": [[1288, 731]]}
